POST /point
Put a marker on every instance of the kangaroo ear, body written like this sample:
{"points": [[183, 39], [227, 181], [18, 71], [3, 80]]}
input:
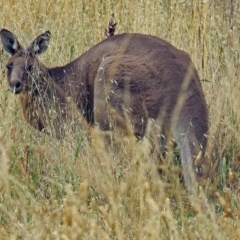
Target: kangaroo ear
{"points": [[9, 42], [40, 44]]}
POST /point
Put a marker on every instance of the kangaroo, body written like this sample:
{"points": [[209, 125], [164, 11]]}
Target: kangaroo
{"points": [[127, 79]]}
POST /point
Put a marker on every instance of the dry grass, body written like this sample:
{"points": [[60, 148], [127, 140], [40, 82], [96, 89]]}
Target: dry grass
{"points": [[75, 188]]}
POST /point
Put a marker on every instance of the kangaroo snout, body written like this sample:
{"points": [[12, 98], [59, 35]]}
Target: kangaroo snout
{"points": [[16, 86]]}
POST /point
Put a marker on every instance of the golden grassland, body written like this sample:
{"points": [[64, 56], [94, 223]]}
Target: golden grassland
{"points": [[75, 188]]}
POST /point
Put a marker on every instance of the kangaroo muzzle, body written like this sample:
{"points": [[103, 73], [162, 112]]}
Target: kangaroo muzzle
{"points": [[15, 86]]}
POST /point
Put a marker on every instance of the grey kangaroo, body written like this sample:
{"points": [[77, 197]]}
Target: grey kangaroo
{"points": [[127, 79]]}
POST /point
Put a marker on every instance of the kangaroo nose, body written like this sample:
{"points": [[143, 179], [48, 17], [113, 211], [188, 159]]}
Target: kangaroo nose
{"points": [[15, 86]]}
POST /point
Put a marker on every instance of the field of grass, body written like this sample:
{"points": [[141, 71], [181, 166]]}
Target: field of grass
{"points": [[75, 188]]}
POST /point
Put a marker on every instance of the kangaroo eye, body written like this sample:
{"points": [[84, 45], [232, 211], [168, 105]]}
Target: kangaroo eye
{"points": [[9, 66], [29, 69]]}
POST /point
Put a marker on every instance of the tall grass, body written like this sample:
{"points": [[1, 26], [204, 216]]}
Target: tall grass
{"points": [[79, 189]]}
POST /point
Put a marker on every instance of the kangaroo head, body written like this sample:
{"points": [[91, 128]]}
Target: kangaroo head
{"points": [[24, 70]]}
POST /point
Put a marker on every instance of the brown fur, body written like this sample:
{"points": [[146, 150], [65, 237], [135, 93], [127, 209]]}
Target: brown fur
{"points": [[123, 81]]}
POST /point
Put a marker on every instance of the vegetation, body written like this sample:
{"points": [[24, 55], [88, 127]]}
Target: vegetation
{"points": [[78, 188]]}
